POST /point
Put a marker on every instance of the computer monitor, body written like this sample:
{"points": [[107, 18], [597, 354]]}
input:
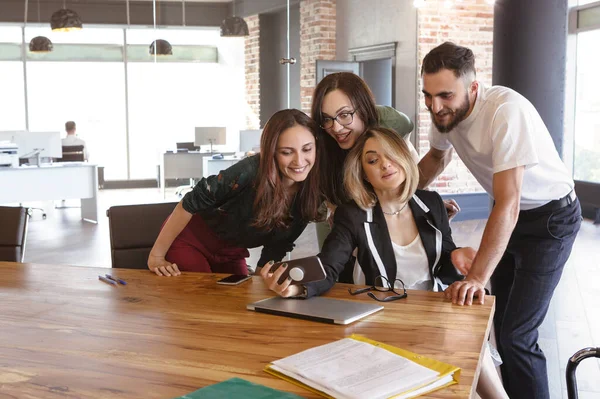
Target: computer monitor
{"points": [[187, 145], [250, 140], [210, 135], [42, 144]]}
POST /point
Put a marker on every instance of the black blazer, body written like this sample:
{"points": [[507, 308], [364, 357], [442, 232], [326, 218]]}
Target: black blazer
{"points": [[350, 231]]}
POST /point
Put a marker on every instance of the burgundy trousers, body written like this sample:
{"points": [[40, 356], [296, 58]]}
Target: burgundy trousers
{"points": [[198, 249]]}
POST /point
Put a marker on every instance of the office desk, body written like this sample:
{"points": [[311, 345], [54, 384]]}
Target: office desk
{"points": [[53, 182], [184, 165], [65, 333]]}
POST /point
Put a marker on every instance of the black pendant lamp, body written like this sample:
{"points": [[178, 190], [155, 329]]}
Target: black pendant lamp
{"points": [[39, 44], [65, 20], [234, 26], [159, 46]]}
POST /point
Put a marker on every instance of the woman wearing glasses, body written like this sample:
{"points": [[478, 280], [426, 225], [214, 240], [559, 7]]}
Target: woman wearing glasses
{"points": [[401, 233], [344, 107], [266, 199]]}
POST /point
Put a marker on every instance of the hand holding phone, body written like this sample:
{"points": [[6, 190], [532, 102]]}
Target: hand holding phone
{"points": [[234, 279], [301, 271]]}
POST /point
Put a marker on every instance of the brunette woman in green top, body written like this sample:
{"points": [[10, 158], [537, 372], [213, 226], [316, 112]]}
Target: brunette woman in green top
{"points": [[264, 200]]}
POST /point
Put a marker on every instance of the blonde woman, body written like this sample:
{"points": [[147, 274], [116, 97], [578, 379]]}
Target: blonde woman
{"points": [[401, 233]]}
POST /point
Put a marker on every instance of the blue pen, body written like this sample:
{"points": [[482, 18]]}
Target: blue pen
{"points": [[116, 280], [107, 280]]}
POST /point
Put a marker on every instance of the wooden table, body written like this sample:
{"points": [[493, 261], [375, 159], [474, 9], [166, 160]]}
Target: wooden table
{"points": [[64, 333]]}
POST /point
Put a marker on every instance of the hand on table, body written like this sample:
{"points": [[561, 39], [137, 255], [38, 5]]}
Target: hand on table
{"points": [[162, 267], [463, 292]]}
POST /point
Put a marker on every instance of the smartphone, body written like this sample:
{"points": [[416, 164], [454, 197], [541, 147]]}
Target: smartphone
{"points": [[234, 279], [302, 271]]}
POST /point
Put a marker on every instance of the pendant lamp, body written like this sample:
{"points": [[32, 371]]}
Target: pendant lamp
{"points": [[65, 20], [234, 26], [39, 44], [159, 46]]}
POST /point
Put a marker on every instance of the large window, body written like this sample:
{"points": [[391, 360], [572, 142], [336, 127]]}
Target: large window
{"points": [[89, 92], [12, 99], [92, 95], [170, 97], [587, 111], [129, 106]]}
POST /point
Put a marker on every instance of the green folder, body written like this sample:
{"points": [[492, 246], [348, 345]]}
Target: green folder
{"points": [[236, 388]]}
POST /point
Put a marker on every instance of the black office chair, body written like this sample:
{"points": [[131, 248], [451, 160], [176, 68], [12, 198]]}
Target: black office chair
{"points": [[13, 233], [133, 230], [572, 367], [72, 153]]}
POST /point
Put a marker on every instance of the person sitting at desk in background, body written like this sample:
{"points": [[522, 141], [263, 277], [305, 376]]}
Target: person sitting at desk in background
{"points": [[266, 199], [72, 139], [400, 232], [344, 107]]}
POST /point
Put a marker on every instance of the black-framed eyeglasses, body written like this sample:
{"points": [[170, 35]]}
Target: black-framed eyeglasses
{"points": [[382, 284], [343, 118]]}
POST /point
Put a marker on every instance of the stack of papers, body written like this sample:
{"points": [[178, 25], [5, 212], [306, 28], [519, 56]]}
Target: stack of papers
{"points": [[357, 367]]}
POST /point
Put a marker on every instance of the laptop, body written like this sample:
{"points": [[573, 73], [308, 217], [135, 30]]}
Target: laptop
{"points": [[325, 310]]}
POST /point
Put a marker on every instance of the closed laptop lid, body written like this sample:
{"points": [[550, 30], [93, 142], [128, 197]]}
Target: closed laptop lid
{"points": [[327, 310]]}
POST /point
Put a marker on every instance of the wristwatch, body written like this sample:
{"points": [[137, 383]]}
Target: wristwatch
{"points": [[304, 293]]}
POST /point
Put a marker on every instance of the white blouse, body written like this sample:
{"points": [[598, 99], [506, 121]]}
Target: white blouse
{"points": [[412, 266]]}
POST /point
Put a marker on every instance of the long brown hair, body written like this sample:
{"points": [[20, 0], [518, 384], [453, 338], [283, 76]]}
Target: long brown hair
{"points": [[364, 104], [273, 201]]}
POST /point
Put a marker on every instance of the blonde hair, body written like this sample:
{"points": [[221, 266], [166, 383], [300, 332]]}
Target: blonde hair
{"points": [[396, 149]]}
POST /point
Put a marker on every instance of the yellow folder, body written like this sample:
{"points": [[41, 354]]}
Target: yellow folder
{"points": [[443, 369]]}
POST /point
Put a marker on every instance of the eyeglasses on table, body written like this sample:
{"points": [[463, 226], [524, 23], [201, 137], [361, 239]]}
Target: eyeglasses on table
{"points": [[382, 284]]}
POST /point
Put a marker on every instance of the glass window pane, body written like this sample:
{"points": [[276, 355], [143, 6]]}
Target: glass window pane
{"points": [[12, 100], [10, 52], [80, 52], [10, 34], [587, 111], [167, 101], [89, 93], [88, 35], [141, 52], [584, 2], [588, 18], [208, 36]]}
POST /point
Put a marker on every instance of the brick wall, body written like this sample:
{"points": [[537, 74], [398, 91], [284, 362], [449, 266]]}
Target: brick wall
{"points": [[467, 23], [317, 41], [252, 69]]}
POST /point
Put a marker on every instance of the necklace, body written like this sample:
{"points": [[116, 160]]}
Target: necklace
{"points": [[395, 213]]}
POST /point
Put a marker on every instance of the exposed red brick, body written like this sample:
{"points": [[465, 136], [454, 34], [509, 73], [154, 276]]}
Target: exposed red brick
{"points": [[252, 69], [468, 24]]}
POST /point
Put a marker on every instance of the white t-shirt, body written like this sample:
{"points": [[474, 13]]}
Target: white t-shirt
{"points": [[412, 266], [505, 131], [71, 139]]}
